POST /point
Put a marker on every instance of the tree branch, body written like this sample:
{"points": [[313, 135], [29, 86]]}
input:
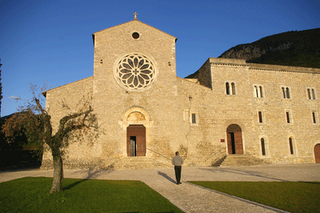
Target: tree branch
{"points": [[62, 131], [39, 106]]}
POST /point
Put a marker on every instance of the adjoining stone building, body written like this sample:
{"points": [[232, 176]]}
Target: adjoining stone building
{"points": [[230, 110]]}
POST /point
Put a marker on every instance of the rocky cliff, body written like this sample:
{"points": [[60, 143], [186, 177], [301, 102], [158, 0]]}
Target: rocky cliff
{"points": [[252, 51], [295, 48]]}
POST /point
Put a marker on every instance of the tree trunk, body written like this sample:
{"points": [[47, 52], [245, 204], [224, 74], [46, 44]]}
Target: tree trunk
{"points": [[57, 172]]}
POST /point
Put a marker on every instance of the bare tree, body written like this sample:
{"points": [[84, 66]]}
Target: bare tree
{"points": [[35, 122]]}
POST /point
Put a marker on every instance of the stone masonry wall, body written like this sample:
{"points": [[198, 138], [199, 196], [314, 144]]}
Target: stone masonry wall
{"points": [[181, 115]]}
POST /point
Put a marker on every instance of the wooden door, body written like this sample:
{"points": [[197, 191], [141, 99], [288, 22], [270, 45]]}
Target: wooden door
{"points": [[136, 134], [231, 143], [317, 153], [234, 139]]}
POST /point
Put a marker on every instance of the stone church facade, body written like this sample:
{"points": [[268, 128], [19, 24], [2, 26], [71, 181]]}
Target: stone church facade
{"points": [[230, 109]]}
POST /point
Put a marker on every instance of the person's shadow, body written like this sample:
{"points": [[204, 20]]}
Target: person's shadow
{"points": [[166, 176]]}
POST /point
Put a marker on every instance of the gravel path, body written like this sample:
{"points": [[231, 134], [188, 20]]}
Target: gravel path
{"points": [[189, 197]]}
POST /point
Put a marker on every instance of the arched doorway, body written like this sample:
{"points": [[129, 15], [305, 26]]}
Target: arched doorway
{"points": [[317, 153], [234, 139], [136, 132], [136, 140]]}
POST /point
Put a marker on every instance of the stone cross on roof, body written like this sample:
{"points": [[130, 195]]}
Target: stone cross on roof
{"points": [[135, 16]]}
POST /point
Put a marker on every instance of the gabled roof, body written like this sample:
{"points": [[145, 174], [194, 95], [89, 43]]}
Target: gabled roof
{"points": [[74, 82], [129, 22]]}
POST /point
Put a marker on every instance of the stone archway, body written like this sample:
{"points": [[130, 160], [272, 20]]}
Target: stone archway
{"points": [[136, 122], [317, 153], [234, 139]]}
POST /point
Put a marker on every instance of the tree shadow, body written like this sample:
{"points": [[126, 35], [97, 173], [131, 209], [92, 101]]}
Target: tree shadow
{"points": [[166, 176], [91, 174]]}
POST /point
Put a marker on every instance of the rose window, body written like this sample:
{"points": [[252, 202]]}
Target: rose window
{"points": [[135, 72]]}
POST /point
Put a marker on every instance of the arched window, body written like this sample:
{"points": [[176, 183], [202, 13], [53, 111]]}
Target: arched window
{"points": [[227, 88], [291, 146], [260, 117], [313, 94], [263, 147], [256, 92], [233, 86], [288, 117], [314, 117], [283, 92], [230, 88], [261, 93], [288, 92], [309, 93]]}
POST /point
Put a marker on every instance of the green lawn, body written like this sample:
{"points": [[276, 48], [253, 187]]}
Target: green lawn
{"points": [[32, 195], [288, 196]]}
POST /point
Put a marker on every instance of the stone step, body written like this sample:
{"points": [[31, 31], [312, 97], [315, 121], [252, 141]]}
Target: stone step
{"points": [[140, 163], [242, 160]]}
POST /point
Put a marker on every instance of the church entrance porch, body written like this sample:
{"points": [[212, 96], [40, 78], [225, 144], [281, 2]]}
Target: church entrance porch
{"points": [[317, 153], [234, 139], [136, 140]]}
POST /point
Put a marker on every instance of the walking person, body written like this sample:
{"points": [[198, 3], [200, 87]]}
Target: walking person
{"points": [[177, 162]]}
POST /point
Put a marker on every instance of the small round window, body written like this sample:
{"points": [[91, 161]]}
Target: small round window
{"points": [[135, 35]]}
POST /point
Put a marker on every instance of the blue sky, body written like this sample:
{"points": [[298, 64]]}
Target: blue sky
{"points": [[51, 41]]}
